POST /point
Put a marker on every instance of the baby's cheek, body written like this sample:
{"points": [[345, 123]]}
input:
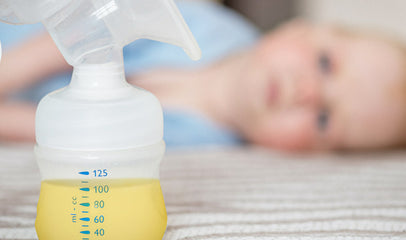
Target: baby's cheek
{"points": [[294, 139], [293, 134]]}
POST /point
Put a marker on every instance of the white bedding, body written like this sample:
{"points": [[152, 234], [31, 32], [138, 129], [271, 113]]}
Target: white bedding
{"points": [[247, 194]]}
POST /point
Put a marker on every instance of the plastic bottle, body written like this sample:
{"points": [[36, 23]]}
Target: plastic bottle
{"points": [[100, 140]]}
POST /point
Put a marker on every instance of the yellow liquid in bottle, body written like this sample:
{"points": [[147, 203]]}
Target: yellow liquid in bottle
{"points": [[101, 209]]}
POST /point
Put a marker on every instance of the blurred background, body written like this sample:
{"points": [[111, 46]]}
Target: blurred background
{"points": [[381, 16], [386, 16]]}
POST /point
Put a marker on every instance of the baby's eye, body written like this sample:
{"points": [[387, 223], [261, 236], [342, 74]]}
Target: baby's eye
{"points": [[323, 118], [325, 63]]}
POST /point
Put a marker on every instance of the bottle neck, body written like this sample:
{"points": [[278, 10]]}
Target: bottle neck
{"points": [[106, 75], [98, 77]]}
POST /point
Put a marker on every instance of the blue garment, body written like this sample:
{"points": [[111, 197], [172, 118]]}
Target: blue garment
{"points": [[187, 129], [219, 31]]}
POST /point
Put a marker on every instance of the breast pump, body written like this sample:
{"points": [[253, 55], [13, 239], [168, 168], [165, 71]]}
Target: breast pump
{"points": [[100, 140]]}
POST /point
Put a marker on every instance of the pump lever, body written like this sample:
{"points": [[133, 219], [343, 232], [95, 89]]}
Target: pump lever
{"points": [[158, 20]]}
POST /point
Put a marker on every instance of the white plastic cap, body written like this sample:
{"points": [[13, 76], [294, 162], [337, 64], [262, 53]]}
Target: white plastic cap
{"points": [[90, 116]]}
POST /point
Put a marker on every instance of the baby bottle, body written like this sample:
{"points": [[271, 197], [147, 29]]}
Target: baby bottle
{"points": [[99, 152], [100, 140]]}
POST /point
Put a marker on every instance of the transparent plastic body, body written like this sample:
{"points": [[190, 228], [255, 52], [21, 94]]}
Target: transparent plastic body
{"points": [[101, 194], [86, 30]]}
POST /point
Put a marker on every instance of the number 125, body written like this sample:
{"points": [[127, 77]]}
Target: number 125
{"points": [[100, 173]]}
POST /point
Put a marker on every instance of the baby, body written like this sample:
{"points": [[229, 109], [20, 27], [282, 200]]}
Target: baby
{"points": [[300, 87]]}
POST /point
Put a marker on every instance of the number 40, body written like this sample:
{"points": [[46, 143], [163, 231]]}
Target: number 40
{"points": [[99, 232]]}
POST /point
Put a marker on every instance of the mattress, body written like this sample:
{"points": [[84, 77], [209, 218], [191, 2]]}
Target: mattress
{"points": [[247, 193]]}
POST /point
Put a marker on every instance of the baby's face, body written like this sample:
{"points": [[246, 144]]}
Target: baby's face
{"points": [[311, 87]]}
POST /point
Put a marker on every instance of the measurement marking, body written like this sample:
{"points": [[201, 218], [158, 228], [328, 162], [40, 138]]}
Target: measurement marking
{"points": [[85, 182], [86, 189], [85, 232], [85, 225], [85, 212], [85, 196], [85, 219], [84, 173], [85, 204]]}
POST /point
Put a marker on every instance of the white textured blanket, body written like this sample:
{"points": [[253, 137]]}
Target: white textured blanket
{"points": [[247, 194]]}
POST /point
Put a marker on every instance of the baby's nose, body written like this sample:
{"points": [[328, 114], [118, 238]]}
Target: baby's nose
{"points": [[308, 92]]}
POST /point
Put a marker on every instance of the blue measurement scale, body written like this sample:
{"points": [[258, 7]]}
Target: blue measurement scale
{"points": [[84, 208]]}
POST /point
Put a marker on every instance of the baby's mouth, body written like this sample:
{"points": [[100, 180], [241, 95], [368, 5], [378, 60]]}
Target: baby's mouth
{"points": [[273, 93]]}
